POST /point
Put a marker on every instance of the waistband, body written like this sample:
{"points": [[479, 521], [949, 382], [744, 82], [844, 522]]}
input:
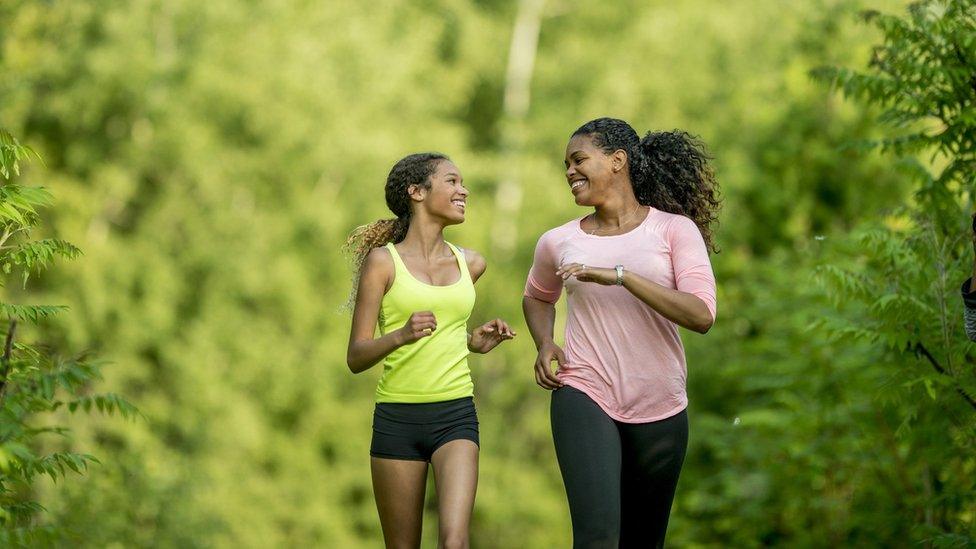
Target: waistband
{"points": [[426, 412]]}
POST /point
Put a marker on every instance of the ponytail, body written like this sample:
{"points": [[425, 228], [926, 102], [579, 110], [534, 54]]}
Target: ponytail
{"points": [[672, 173], [668, 170], [364, 238]]}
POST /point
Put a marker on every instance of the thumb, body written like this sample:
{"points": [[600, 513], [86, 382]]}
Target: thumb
{"points": [[560, 356]]}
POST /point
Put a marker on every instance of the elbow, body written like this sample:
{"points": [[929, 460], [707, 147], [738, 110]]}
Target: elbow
{"points": [[529, 302], [703, 325], [354, 366]]}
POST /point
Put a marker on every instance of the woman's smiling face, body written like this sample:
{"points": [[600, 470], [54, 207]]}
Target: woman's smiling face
{"points": [[588, 170], [447, 196]]}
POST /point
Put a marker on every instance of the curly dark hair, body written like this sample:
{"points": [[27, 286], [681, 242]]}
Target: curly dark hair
{"points": [[414, 169], [668, 170]]}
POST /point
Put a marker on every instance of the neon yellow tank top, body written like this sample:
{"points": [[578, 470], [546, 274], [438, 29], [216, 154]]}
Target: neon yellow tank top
{"points": [[433, 368]]}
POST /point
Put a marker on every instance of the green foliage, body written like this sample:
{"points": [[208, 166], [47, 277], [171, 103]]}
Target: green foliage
{"points": [[898, 286], [923, 78], [34, 382], [211, 157], [12, 153]]}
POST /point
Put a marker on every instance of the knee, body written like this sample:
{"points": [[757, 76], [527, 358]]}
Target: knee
{"points": [[402, 544], [453, 540]]}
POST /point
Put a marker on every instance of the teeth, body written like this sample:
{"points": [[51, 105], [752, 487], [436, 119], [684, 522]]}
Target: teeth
{"points": [[578, 184]]}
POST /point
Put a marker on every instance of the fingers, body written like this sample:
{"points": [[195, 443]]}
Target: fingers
{"points": [[423, 316], [424, 325], [498, 328], [560, 357], [423, 329], [545, 378], [550, 376], [585, 273], [421, 324], [571, 269], [502, 328], [538, 377]]}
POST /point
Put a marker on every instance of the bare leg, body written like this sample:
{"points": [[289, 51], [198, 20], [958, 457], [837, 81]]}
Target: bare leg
{"points": [[399, 487], [456, 477]]}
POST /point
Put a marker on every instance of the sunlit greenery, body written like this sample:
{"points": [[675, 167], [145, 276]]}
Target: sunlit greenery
{"points": [[210, 158]]}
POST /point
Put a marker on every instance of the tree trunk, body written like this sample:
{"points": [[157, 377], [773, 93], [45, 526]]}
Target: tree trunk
{"points": [[518, 80]]}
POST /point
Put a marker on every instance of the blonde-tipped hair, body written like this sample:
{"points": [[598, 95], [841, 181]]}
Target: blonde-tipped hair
{"points": [[364, 238]]}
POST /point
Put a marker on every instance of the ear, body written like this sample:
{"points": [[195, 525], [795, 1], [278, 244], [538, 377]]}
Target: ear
{"points": [[417, 193], [618, 160]]}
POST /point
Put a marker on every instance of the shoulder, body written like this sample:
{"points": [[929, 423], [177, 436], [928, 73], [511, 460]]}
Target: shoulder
{"points": [[677, 225], [560, 232], [378, 262], [477, 264]]}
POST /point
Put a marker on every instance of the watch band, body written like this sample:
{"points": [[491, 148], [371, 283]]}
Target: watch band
{"points": [[620, 275]]}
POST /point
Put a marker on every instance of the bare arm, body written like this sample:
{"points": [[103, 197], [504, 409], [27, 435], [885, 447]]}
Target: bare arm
{"points": [[684, 309], [540, 317], [364, 349]]}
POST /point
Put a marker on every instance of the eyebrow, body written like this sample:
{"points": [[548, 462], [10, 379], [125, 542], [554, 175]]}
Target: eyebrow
{"points": [[455, 174]]}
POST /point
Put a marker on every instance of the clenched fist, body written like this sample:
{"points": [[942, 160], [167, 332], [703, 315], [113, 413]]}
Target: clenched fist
{"points": [[420, 324]]}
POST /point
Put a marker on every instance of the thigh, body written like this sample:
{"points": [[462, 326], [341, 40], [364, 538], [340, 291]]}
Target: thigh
{"points": [[456, 479], [399, 487], [588, 450], [652, 457]]}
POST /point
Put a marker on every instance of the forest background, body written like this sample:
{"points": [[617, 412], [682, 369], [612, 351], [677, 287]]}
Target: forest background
{"points": [[209, 159]]}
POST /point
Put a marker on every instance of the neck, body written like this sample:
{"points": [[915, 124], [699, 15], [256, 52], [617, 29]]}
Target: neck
{"points": [[424, 237], [617, 209]]}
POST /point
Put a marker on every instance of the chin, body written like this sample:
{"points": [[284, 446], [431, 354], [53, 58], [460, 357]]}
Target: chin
{"points": [[581, 200]]}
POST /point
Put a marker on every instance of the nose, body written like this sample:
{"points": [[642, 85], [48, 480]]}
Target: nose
{"points": [[570, 172], [463, 190]]}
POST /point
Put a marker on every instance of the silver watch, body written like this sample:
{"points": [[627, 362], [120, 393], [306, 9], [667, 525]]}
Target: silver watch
{"points": [[620, 275]]}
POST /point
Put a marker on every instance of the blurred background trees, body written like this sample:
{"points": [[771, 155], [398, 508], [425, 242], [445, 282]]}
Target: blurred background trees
{"points": [[211, 157]]}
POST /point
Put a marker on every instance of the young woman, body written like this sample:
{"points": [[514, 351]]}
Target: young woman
{"points": [[420, 289], [634, 270]]}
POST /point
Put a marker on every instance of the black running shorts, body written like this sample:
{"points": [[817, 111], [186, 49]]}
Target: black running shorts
{"points": [[416, 431]]}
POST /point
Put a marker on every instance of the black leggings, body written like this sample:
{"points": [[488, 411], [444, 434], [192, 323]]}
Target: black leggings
{"points": [[620, 477]]}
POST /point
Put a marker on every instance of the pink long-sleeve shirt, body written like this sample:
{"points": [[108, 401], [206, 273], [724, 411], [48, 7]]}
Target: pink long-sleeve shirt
{"points": [[628, 358]]}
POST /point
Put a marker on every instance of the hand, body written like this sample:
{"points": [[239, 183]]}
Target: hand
{"points": [[544, 375], [487, 336], [585, 273], [420, 324]]}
